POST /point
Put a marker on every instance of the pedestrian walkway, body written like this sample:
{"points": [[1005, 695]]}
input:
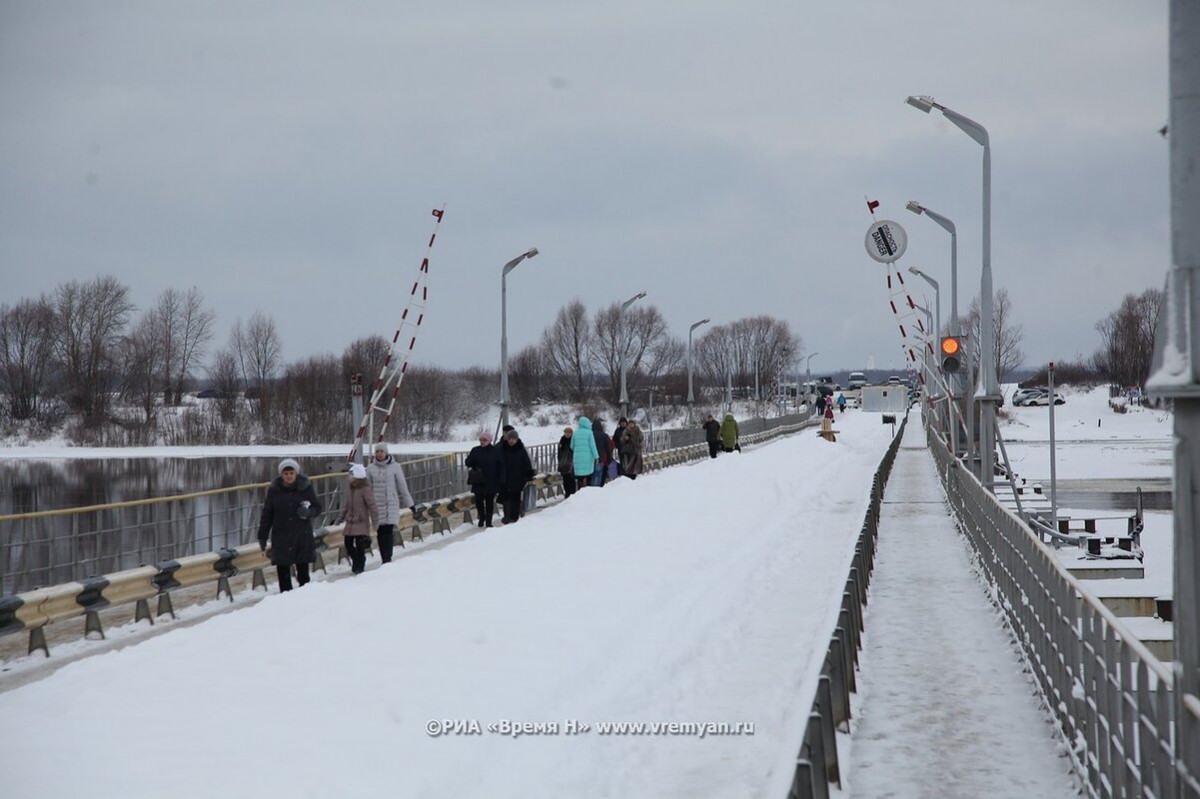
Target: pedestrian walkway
{"points": [[943, 706]]}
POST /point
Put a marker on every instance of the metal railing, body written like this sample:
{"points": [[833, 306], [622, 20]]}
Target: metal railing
{"points": [[86, 596], [1111, 698], [817, 761], [50, 547]]}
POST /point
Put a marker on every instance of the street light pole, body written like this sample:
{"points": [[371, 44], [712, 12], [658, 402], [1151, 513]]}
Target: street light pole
{"points": [[988, 393], [621, 344], [808, 379], [691, 396], [508, 267], [954, 381], [937, 294]]}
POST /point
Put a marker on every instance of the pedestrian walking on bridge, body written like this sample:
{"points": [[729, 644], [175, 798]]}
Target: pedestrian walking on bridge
{"points": [[359, 517], [631, 450], [391, 496], [712, 435], [729, 434], [285, 525], [483, 475]]}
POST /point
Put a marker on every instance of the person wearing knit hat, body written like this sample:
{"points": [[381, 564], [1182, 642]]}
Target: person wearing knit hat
{"points": [[285, 523], [566, 462], [359, 517], [391, 496], [483, 476]]}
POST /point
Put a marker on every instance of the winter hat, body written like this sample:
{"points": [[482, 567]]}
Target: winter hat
{"points": [[485, 437], [358, 471], [289, 463], [381, 447]]}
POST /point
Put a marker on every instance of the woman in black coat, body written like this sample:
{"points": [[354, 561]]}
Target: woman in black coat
{"points": [[286, 522], [515, 471], [566, 462], [483, 463]]}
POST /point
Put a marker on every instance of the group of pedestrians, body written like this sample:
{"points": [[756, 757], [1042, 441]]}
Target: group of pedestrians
{"points": [[499, 471], [377, 494], [588, 456], [722, 435]]}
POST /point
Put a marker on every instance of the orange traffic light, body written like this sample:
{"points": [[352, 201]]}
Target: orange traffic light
{"points": [[951, 353]]}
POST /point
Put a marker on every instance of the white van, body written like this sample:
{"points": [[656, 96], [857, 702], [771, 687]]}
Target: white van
{"points": [[856, 380]]}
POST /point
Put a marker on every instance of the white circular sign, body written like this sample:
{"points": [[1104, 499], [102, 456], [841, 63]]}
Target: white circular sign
{"points": [[886, 241]]}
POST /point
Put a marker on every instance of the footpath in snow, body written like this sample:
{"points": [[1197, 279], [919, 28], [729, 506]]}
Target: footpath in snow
{"points": [[699, 594], [943, 706]]}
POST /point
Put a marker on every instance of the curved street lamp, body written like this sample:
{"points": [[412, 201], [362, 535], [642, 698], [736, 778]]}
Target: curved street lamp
{"points": [[989, 389], [508, 267], [692, 397], [620, 331]]}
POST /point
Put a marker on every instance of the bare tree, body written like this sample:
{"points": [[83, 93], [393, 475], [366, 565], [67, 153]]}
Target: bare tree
{"points": [[1006, 348], [365, 356], [184, 328], [141, 366], [761, 347], [26, 351], [311, 402], [224, 377], [428, 409], [567, 348], [89, 320], [257, 348], [1127, 338], [641, 330], [528, 376]]}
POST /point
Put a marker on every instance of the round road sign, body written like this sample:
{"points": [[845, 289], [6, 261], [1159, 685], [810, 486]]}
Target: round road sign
{"points": [[886, 241]]}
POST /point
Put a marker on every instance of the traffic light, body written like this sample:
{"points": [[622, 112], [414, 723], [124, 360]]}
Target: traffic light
{"points": [[951, 353]]}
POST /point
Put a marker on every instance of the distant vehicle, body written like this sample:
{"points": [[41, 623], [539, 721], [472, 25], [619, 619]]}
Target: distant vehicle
{"points": [[894, 380], [1042, 397], [1022, 395], [211, 393], [856, 380]]}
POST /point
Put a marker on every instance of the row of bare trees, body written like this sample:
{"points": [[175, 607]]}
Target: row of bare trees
{"points": [[1127, 339], [579, 356]]}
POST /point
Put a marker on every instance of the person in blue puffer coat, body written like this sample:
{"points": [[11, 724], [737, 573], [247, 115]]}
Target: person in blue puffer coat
{"points": [[586, 456]]}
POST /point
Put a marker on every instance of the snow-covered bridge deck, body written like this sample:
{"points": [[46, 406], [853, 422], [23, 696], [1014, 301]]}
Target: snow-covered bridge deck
{"points": [[702, 595]]}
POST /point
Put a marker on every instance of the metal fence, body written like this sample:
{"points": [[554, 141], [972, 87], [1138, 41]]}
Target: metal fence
{"points": [[817, 763], [52, 547], [1112, 699]]}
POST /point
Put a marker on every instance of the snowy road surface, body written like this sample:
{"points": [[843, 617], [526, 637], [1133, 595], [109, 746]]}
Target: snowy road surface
{"points": [[945, 708], [704, 593]]}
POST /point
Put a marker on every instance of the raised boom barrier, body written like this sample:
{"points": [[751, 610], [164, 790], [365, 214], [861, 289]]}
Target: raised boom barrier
{"points": [[34, 610]]}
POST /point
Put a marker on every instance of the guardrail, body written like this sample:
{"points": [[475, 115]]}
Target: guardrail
{"points": [[50, 547], [817, 761], [34, 610], [1112, 699]]}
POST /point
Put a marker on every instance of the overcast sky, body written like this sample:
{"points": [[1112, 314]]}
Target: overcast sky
{"points": [[286, 156]]}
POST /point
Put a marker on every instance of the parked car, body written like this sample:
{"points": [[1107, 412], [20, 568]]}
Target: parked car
{"points": [[1021, 395], [1042, 397], [894, 380], [856, 380]]}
